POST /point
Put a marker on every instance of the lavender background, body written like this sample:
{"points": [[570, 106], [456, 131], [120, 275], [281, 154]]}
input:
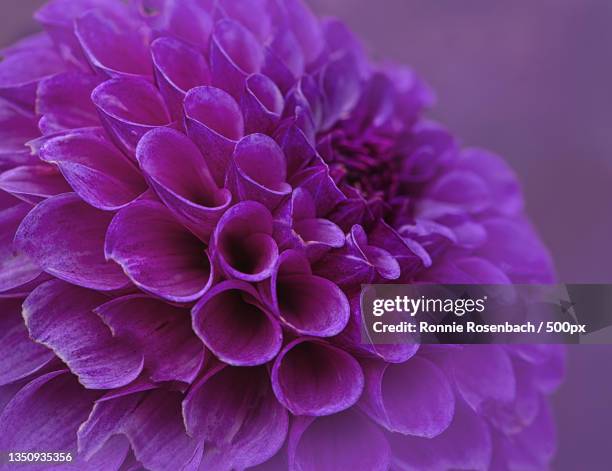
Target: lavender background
{"points": [[531, 81]]}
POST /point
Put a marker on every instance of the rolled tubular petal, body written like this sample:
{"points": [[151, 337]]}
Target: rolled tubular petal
{"points": [[346, 440], [234, 54], [178, 174], [214, 122], [262, 104], [128, 108], [172, 352], [297, 225], [243, 242], [234, 325], [311, 377], [178, 67], [166, 260], [151, 421], [64, 102], [66, 238], [114, 45], [236, 414], [308, 304], [258, 171], [95, 169], [16, 267], [412, 398], [33, 183], [19, 355], [60, 316]]}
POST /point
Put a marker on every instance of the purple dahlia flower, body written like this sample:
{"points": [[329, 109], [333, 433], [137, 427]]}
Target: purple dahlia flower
{"points": [[192, 194]]}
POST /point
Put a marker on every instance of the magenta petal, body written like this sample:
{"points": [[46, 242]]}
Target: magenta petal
{"points": [[307, 30], [60, 316], [165, 259], [128, 108], [152, 423], [24, 65], [55, 404], [114, 45], [500, 178], [243, 242], [308, 304], [262, 103], [66, 238], [483, 373], [235, 327], [33, 183], [236, 414], [178, 174], [412, 398], [465, 444], [19, 355], [234, 54], [95, 169], [64, 102], [214, 122], [346, 441], [172, 352], [16, 267], [187, 20], [16, 127], [249, 179], [179, 67], [311, 377]]}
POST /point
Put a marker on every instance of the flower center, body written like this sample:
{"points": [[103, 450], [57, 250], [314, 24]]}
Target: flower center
{"points": [[368, 163]]}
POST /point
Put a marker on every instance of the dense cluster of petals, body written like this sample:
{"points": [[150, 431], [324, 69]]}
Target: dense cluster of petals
{"points": [[192, 193]]}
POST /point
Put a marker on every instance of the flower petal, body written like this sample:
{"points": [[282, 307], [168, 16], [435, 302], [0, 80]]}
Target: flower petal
{"points": [[55, 404], [95, 169], [16, 267], [308, 304], [66, 238], [165, 259], [258, 171], [187, 20], [412, 398], [235, 412], [19, 355], [214, 122], [64, 102], [114, 44], [243, 242], [262, 103], [163, 332], [33, 183], [311, 377], [178, 67], [24, 65], [60, 316], [483, 373], [235, 327], [340, 441], [152, 422], [178, 174], [465, 444], [234, 54], [128, 108]]}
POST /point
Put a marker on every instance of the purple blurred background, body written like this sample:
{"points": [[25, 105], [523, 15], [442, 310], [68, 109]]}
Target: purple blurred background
{"points": [[529, 80]]}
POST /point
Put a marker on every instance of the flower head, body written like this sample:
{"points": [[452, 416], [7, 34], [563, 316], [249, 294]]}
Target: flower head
{"points": [[193, 193]]}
